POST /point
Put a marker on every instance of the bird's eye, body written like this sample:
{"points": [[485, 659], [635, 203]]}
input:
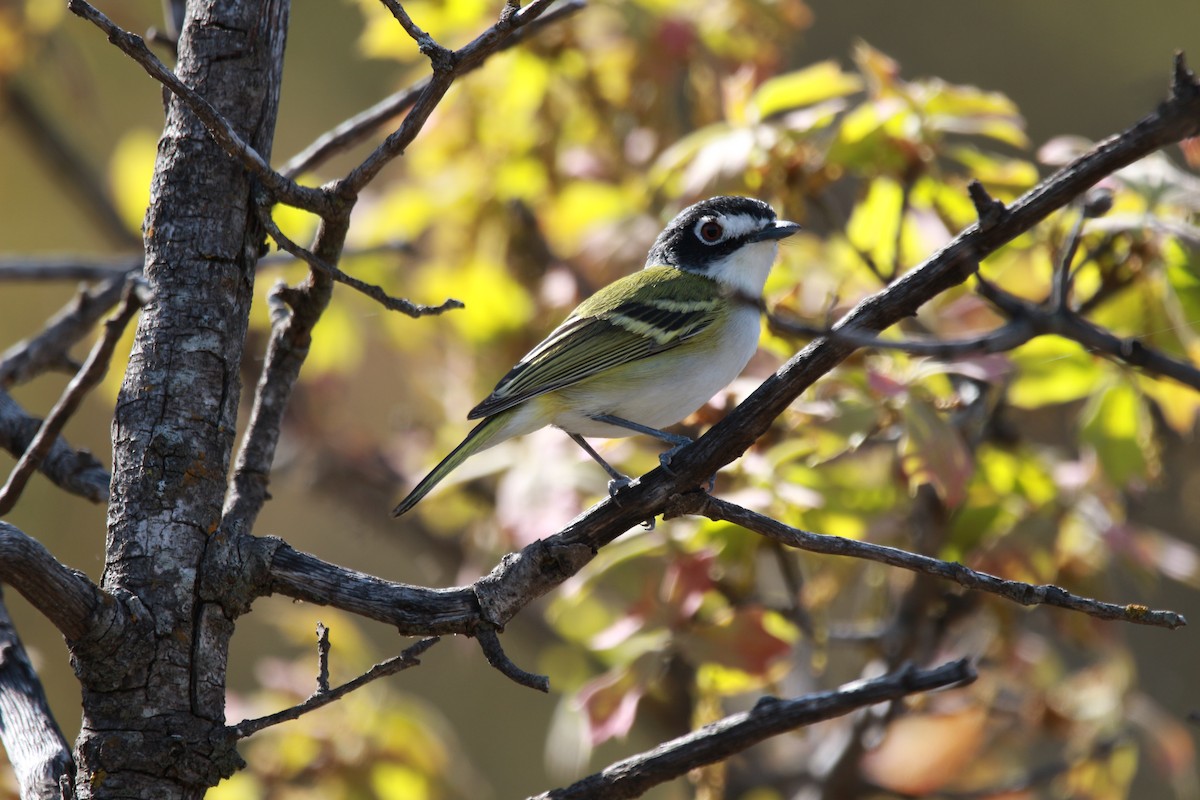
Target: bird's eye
{"points": [[711, 231]]}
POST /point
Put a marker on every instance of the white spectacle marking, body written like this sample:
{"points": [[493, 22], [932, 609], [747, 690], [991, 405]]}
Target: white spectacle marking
{"points": [[737, 225]]}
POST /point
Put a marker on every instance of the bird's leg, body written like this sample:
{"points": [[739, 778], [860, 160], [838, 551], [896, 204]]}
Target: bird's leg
{"points": [[676, 441], [618, 481]]}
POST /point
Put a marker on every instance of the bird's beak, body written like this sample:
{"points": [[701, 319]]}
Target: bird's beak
{"points": [[780, 229]]}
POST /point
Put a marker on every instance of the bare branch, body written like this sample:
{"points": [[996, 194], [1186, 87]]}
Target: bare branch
{"points": [[1023, 593], [356, 129], [294, 313], [1061, 321], [408, 658], [282, 188], [1002, 339], [88, 376], [48, 350], [66, 597], [737, 732], [76, 471], [35, 745]]}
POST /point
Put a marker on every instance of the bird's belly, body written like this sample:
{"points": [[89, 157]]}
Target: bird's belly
{"points": [[660, 390]]}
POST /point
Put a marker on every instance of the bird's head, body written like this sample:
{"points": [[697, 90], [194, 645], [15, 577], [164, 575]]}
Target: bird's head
{"points": [[732, 240]]}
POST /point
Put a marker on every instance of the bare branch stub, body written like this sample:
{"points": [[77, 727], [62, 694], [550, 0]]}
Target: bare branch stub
{"points": [[489, 642], [990, 210], [322, 658]]}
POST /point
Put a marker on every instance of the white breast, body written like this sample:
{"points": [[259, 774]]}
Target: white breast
{"points": [[663, 389]]}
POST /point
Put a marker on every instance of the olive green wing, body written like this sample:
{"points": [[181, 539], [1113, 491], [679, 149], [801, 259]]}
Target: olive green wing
{"points": [[634, 317]]}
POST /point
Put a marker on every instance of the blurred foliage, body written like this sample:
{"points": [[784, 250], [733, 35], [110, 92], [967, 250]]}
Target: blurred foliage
{"points": [[548, 173]]}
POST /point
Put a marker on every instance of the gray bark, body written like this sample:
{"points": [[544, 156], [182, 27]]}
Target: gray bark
{"points": [[153, 689]]}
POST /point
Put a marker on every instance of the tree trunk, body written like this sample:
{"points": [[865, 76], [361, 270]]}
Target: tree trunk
{"points": [[154, 729]]}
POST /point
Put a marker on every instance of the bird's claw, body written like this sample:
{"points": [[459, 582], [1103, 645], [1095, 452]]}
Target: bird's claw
{"points": [[617, 484]]}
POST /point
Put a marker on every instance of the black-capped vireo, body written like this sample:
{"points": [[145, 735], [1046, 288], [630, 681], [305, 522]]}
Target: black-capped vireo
{"points": [[648, 349]]}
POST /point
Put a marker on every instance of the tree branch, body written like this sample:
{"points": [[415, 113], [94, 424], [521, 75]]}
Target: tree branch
{"points": [[88, 376], [76, 471], [48, 350], [446, 69], [372, 291], [282, 188], [770, 717], [36, 747], [66, 597], [1026, 594]]}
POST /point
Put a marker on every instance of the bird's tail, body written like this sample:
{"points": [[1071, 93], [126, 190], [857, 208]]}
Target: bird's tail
{"points": [[484, 435]]}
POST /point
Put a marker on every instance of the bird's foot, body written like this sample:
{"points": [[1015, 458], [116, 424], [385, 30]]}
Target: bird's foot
{"points": [[664, 461], [617, 484]]}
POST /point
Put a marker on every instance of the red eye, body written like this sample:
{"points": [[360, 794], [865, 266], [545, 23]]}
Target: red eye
{"points": [[711, 231]]}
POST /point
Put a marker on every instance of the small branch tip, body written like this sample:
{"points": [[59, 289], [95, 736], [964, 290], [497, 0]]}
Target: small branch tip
{"points": [[990, 210]]}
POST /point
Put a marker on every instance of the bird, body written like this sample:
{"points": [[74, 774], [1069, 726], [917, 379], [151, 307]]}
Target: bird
{"points": [[646, 350]]}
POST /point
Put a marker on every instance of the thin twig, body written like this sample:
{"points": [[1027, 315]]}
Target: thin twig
{"points": [[408, 658], [1024, 593], [281, 188], [1002, 339], [75, 471], [376, 293], [445, 70], [1061, 297], [89, 375], [356, 129]]}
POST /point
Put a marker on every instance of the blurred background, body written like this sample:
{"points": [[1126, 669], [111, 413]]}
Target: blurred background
{"points": [[547, 173]]}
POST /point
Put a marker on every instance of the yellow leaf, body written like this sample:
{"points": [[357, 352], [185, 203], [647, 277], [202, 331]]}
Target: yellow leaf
{"points": [[399, 782], [1051, 370], [495, 303], [337, 342], [824, 80], [129, 172]]}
